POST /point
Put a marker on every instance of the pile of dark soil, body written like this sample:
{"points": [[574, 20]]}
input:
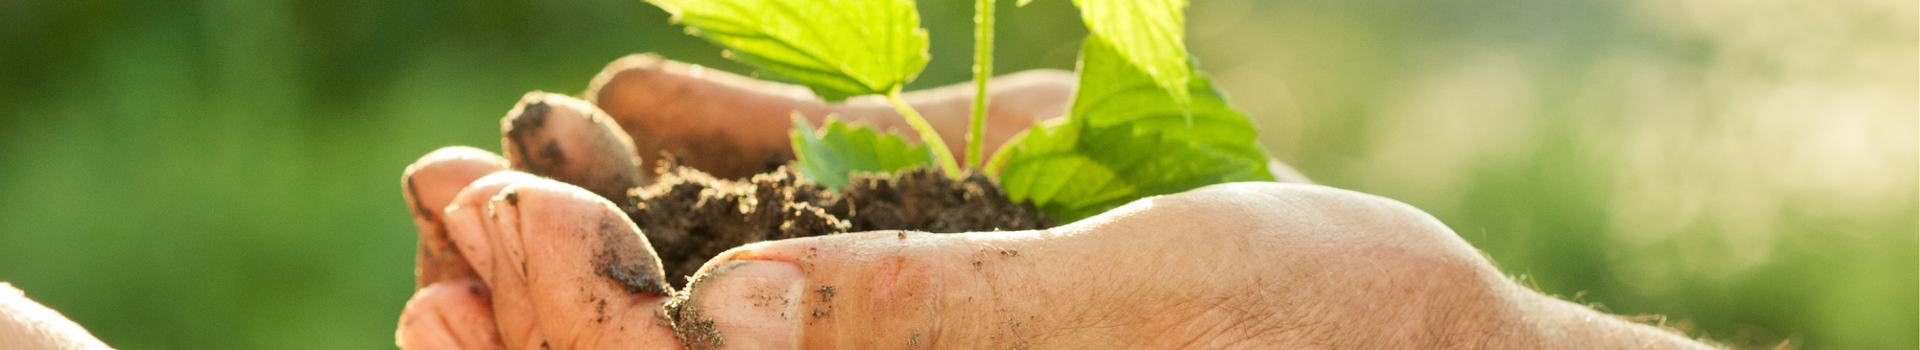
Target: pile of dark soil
{"points": [[690, 216]]}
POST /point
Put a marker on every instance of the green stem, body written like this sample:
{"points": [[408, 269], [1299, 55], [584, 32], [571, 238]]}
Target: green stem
{"points": [[927, 134], [982, 70]]}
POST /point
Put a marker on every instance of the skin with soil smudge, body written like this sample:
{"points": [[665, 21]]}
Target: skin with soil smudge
{"points": [[690, 216], [693, 329]]}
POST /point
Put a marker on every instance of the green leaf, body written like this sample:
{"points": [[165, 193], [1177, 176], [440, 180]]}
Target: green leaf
{"points": [[840, 48], [1150, 34], [1073, 171], [1113, 91], [831, 153], [1124, 139]]}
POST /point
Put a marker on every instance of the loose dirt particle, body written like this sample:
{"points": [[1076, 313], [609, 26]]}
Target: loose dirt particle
{"points": [[602, 311]]}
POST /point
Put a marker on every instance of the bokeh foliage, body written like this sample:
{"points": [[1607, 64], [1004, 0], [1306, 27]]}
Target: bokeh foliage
{"points": [[223, 174]]}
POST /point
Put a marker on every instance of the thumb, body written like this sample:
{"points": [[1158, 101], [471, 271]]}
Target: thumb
{"points": [[1079, 285], [1226, 266]]}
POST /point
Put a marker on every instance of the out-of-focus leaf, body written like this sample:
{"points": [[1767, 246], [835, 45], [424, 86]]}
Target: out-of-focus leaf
{"points": [[829, 154]]}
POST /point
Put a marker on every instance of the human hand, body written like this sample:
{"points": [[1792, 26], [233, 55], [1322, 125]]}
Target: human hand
{"points": [[27, 325], [511, 260]]}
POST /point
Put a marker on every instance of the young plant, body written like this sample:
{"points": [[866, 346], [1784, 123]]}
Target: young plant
{"points": [[1143, 123], [839, 48]]}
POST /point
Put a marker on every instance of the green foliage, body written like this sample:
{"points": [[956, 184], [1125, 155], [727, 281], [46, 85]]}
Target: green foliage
{"points": [[832, 152], [839, 48], [1141, 124], [1124, 140], [1148, 33]]}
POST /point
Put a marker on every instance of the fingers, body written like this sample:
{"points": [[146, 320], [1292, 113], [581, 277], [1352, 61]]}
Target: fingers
{"points": [[721, 123], [1228, 265], [572, 141], [566, 269], [913, 290], [449, 315], [756, 302], [1016, 102], [25, 324], [429, 185], [734, 126], [909, 290], [469, 218]]}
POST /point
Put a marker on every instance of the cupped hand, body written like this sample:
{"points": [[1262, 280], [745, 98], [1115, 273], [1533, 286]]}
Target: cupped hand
{"points": [[527, 251]]}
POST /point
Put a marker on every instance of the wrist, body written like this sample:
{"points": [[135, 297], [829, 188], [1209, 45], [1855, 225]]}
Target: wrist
{"points": [[1482, 305], [1537, 321]]}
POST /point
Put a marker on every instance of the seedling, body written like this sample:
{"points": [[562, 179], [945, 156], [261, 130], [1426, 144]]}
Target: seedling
{"points": [[1143, 122]]}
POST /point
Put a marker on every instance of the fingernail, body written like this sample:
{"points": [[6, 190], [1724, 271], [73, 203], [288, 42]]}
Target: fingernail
{"points": [[743, 304]]}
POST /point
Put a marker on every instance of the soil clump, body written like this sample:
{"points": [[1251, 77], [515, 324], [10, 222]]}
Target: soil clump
{"points": [[690, 216]]}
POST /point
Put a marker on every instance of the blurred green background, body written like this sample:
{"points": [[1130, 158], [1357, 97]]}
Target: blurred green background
{"points": [[223, 174]]}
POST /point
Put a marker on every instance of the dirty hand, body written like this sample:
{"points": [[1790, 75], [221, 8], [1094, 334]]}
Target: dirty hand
{"points": [[511, 260]]}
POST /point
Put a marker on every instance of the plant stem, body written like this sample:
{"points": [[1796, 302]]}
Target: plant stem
{"points": [[982, 70], [927, 134]]}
